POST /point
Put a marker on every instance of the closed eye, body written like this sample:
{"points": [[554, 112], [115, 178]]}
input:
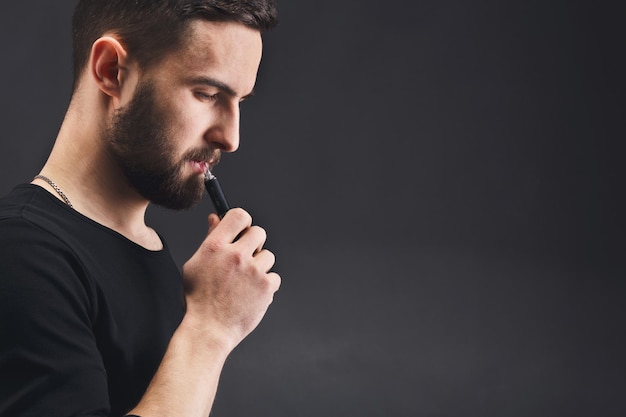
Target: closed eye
{"points": [[205, 97]]}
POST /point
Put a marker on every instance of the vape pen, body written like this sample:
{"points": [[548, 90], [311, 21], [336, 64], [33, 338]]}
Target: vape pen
{"points": [[214, 190]]}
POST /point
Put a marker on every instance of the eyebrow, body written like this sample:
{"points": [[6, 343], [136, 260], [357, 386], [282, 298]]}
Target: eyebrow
{"points": [[212, 82]]}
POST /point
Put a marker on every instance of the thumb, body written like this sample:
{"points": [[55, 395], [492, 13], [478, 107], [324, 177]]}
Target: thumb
{"points": [[214, 220]]}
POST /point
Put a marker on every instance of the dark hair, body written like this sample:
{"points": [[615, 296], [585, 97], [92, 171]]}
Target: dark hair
{"points": [[151, 28]]}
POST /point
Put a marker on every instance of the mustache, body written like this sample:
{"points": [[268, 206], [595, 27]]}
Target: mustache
{"points": [[212, 156]]}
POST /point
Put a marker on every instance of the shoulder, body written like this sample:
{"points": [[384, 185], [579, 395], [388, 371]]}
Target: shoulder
{"points": [[32, 220], [29, 206], [35, 260], [25, 232], [47, 313]]}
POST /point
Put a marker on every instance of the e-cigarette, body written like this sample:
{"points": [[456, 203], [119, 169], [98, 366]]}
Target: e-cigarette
{"points": [[214, 190]]}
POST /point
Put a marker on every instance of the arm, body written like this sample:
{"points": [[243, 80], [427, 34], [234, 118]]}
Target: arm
{"points": [[224, 304], [49, 359]]}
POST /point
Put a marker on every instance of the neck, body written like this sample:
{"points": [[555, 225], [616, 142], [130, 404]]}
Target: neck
{"points": [[81, 167]]}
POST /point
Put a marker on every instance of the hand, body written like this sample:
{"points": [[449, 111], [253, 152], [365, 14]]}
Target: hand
{"points": [[228, 286]]}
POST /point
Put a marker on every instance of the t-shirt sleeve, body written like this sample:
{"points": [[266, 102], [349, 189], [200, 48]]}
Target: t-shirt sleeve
{"points": [[50, 364]]}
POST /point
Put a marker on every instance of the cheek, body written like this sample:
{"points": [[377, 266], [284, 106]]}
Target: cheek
{"points": [[188, 120], [187, 112], [187, 130], [175, 122]]}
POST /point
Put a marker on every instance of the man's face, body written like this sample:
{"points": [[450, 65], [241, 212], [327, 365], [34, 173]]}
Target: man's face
{"points": [[142, 143], [184, 112]]}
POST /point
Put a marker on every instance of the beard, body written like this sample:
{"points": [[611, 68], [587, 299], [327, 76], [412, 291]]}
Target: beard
{"points": [[140, 140]]}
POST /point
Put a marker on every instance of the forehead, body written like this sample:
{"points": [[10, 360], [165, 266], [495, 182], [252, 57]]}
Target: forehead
{"points": [[227, 51]]}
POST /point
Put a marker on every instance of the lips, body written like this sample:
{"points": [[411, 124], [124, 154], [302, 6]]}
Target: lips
{"points": [[200, 167], [202, 161]]}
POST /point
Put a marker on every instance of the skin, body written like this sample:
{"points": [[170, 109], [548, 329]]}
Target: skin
{"points": [[227, 284]]}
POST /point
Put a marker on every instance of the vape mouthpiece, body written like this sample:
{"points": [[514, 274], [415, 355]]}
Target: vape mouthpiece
{"points": [[208, 175], [214, 190]]}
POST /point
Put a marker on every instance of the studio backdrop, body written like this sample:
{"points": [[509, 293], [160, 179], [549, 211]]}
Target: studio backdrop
{"points": [[442, 183]]}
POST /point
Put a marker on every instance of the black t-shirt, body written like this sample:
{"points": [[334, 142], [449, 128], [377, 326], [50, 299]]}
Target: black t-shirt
{"points": [[85, 314]]}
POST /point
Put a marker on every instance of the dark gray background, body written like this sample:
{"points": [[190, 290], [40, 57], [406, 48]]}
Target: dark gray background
{"points": [[442, 182]]}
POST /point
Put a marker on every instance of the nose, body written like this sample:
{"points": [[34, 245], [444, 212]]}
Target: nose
{"points": [[224, 133]]}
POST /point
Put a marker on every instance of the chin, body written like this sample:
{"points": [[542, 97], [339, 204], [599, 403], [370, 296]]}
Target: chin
{"points": [[187, 196]]}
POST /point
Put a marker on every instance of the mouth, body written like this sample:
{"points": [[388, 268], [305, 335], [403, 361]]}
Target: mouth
{"points": [[201, 162], [200, 167]]}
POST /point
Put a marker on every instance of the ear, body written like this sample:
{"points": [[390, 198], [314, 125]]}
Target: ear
{"points": [[109, 65]]}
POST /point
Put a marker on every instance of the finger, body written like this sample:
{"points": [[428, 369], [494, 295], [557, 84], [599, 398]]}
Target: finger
{"points": [[214, 220], [274, 280], [252, 239], [232, 225], [265, 260]]}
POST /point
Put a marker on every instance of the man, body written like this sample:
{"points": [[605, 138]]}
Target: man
{"points": [[95, 319]]}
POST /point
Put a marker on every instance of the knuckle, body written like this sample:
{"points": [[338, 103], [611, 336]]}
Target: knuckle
{"points": [[212, 245], [276, 281], [236, 258], [259, 232], [255, 272], [271, 257], [240, 215]]}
